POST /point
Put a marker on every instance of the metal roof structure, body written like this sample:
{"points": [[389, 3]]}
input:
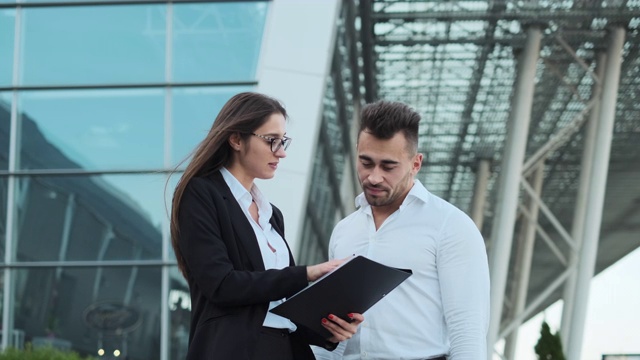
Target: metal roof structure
{"points": [[456, 63]]}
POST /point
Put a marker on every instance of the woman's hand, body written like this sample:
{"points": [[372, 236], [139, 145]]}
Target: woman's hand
{"points": [[314, 272], [342, 330]]}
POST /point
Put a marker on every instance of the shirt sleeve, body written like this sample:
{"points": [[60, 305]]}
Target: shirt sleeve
{"points": [[463, 273]]}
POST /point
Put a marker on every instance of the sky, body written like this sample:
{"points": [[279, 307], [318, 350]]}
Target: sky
{"points": [[613, 314]]}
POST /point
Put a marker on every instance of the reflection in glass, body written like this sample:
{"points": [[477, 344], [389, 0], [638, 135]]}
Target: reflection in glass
{"points": [[88, 309], [84, 45], [217, 42], [99, 218], [92, 129], [7, 26], [194, 110], [5, 129], [179, 315], [171, 182], [3, 214]]}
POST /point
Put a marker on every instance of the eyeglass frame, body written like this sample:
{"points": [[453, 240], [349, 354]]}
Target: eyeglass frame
{"points": [[284, 142]]}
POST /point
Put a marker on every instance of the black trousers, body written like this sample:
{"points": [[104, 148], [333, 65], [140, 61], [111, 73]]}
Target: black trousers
{"points": [[273, 344]]}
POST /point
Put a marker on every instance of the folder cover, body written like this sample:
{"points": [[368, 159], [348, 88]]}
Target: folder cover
{"points": [[353, 287]]}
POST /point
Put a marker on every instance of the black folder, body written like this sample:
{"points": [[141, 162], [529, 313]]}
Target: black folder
{"points": [[353, 287]]}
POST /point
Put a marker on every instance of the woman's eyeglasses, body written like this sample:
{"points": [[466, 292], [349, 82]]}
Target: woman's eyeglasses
{"points": [[276, 143]]}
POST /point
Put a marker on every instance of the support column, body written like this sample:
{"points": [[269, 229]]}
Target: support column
{"points": [[350, 186], [480, 192], [506, 206], [597, 187], [165, 321], [522, 269], [581, 201], [11, 231]]}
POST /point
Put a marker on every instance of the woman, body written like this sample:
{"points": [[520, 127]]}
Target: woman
{"points": [[229, 242]]}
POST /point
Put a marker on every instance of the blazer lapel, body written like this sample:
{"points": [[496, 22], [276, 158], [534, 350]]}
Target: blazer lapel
{"points": [[245, 236], [275, 225]]}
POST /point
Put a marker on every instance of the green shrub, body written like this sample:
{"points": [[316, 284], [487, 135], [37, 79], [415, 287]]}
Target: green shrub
{"points": [[43, 353], [549, 346]]}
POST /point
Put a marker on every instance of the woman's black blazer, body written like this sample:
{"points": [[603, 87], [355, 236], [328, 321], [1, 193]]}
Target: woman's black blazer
{"points": [[230, 289]]}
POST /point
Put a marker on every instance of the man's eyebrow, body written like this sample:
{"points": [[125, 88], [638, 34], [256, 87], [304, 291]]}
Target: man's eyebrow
{"points": [[385, 162]]}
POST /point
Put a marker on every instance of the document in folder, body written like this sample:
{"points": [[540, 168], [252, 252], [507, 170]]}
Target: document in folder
{"points": [[353, 287]]}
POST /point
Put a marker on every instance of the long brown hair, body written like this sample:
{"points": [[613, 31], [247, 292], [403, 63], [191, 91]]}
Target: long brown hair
{"points": [[241, 115]]}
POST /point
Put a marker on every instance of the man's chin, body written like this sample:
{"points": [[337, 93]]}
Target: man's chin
{"points": [[375, 200]]}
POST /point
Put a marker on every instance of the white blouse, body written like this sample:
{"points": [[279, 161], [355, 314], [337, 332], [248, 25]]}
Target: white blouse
{"points": [[267, 236]]}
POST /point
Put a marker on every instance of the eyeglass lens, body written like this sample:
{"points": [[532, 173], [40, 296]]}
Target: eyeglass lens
{"points": [[277, 143]]}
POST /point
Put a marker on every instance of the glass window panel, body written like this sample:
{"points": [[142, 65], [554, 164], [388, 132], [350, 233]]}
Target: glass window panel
{"points": [[5, 128], [217, 42], [3, 214], [92, 129], [73, 218], [172, 182], [94, 44], [7, 26], [81, 309], [194, 110], [179, 315]]}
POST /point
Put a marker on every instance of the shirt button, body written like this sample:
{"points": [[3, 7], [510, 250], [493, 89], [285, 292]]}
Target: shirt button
{"points": [[364, 354]]}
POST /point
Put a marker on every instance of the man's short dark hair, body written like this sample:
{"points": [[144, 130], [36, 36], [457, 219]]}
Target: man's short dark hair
{"points": [[384, 119]]}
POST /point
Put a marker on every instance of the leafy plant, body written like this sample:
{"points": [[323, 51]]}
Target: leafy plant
{"points": [[43, 353], [549, 346]]}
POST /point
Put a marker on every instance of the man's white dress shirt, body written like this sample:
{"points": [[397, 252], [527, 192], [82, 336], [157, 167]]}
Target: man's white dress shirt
{"points": [[443, 308]]}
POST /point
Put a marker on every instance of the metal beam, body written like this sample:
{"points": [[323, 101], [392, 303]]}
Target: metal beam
{"points": [[37, 4], [472, 96], [535, 303], [524, 256], [503, 227], [483, 172], [523, 15], [352, 46], [581, 202], [368, 55], [597, 187]]}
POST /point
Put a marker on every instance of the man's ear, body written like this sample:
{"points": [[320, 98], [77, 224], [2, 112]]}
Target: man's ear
{"points": [[417, 163], [235, 141]]}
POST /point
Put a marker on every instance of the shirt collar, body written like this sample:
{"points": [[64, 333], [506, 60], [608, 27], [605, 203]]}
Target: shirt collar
{"points": [[244, 197], [418, 191]]}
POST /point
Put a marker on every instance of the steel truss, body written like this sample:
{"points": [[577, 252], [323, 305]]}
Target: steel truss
{"points": [[486, 75]]}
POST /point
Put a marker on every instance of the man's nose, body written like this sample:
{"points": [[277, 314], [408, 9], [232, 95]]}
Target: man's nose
{"points": [[375, 177]]}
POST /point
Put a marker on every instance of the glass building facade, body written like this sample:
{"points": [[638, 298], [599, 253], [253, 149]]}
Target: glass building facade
{"points": [[99, 104], [333, 169]]}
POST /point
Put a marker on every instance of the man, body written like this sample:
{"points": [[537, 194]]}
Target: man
{"points": [[442, 310]]}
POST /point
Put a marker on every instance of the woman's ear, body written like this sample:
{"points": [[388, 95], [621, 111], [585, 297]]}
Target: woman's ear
{"points": [[235, 141]]}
